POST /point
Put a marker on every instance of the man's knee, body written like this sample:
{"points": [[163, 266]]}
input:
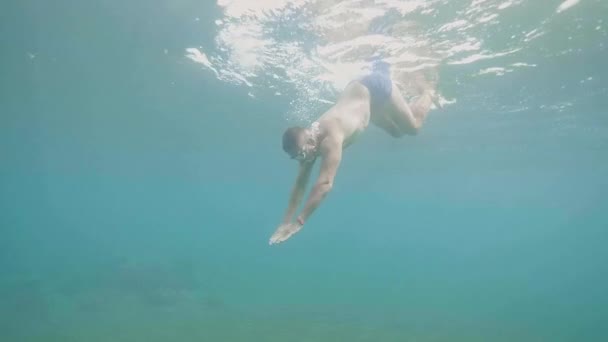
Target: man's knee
{"points": [[396, 134], [402, 133], [414, 130], [411, 129]]}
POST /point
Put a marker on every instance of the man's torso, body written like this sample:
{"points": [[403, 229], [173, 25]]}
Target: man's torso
{"points": [[350, 116]]}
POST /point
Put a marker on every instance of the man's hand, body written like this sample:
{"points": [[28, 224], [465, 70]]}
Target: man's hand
{"points": [[284, 232]]}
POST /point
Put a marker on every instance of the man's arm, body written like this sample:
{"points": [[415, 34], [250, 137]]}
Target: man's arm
{"points": [[331, 150], [298, 191]]}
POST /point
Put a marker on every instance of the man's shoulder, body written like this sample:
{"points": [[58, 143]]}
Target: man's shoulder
{"points": [[332, 140], [330, 128]]}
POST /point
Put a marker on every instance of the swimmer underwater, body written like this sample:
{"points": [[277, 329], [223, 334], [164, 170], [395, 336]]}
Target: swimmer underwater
{"points": [[373, 98]]}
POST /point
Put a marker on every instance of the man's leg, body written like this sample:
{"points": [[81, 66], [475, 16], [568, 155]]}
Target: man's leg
{"points": [[383, 120], [409, 118]]}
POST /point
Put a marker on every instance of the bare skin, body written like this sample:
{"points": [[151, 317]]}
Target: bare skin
{"points": [[337, 129]]}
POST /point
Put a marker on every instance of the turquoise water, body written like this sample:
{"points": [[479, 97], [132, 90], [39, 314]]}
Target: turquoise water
{"points": [[139, 188]]}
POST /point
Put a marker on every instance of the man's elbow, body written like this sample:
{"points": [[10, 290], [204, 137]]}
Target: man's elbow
{"points": [[325, 187]]}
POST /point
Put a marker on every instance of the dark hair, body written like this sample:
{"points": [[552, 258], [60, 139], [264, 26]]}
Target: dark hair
{"points": [[290, 139]]}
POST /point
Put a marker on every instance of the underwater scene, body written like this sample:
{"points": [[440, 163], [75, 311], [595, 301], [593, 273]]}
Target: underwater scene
{"points": [[306, 170]]}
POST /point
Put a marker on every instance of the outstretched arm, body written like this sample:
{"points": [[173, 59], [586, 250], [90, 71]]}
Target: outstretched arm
{"points": [[332, 154], [298, 191], [331, 149]]}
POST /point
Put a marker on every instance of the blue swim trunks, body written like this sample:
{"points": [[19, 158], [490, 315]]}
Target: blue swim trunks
{"points": [[379, 83]]}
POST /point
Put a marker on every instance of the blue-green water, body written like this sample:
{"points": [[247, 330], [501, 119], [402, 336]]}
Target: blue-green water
{"points": [[138, 191]]}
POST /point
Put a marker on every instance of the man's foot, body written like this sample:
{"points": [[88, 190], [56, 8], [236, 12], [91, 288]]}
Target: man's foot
{"points": [[426, 84], [284, 232]]}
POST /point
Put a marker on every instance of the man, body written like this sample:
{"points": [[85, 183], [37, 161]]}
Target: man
{"points": [[374, 98]]}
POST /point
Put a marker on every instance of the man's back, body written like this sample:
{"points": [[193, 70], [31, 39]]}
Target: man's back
{"points": [[349, 116]]}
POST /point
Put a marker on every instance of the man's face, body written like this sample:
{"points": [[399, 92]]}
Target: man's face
{"points": [[306, 147]]}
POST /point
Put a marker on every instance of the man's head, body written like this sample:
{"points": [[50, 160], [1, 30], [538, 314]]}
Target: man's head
{"points": [[299, 143]]}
